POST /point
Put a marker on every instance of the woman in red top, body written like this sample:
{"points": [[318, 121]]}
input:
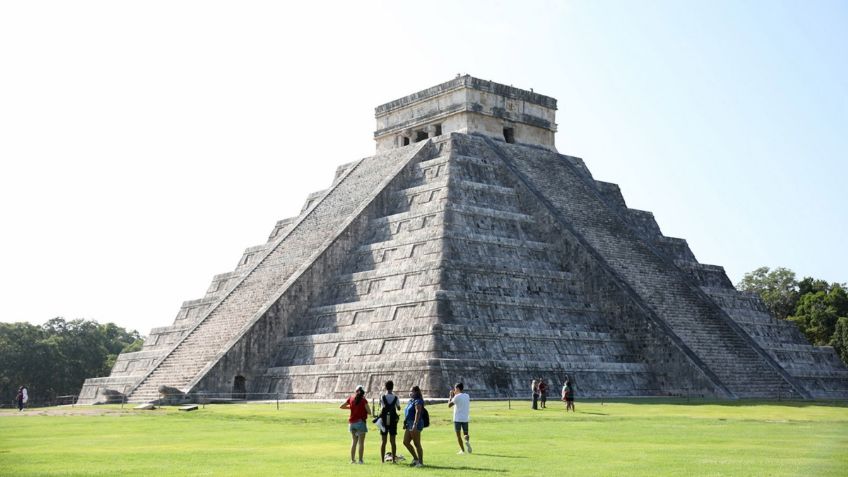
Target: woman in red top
{"points": [[358, 406]]}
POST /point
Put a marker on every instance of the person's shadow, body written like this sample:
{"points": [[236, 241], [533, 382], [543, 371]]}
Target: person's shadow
{"points": [[466, 468], [502, 456]]}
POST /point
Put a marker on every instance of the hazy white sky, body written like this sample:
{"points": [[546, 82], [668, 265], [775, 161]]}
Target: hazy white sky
{"points": [[144, 145]]}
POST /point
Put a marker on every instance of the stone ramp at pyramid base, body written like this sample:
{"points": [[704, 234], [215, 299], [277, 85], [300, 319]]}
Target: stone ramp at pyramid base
{"points": [[106, 390]]}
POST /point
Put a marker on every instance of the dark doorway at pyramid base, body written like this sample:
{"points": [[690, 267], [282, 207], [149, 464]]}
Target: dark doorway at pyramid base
{"points": [[239, 388]]}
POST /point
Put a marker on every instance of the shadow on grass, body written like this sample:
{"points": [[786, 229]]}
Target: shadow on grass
{"points": [[716, 402], [594, 413], [503, 456], [466, 468]]}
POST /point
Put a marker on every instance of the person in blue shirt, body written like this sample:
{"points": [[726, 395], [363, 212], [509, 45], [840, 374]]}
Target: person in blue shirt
{"points": [[413, 425]]}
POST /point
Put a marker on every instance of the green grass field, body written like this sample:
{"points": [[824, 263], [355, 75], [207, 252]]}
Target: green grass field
{"points": [[636, 438]]}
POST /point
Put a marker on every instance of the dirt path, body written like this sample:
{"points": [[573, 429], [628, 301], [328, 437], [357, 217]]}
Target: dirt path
{"points": [[64, 411]]}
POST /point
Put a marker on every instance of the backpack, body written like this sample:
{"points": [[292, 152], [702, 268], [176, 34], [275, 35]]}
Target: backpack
{"points": [[389, 411], [425, 416]]}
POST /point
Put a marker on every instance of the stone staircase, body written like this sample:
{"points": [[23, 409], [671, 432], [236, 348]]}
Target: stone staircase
{"points": [[725, 352], [211, 337], [817, 369], [382, 303]]}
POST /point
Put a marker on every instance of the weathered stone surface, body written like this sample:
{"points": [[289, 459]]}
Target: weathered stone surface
{"points": [[465, 257], [169, 395], [467, 105]]}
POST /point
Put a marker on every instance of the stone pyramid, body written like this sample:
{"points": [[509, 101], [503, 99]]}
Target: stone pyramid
{"points": [[467, 249]]}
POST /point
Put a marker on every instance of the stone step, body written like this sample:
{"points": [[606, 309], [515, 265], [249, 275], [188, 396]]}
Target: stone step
{"points": [[470, 331]]}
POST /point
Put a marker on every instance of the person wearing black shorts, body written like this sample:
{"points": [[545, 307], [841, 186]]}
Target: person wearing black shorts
{"points": [[543, 393], [568, 395], [461, 404], [390, 405]]}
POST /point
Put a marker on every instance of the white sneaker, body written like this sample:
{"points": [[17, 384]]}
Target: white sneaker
{"points": [[418, 464], [360, 462], [459, 452], [468, 446], [414, 463]]}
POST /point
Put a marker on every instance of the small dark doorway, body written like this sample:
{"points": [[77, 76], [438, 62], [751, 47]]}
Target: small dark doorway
{"points": [[509, 135], [438, 129], [420, 136], [405, 141], [239, 388]]}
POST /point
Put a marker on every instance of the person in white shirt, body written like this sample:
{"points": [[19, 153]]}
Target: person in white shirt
{"points": [[461, 404], [22, 397]]}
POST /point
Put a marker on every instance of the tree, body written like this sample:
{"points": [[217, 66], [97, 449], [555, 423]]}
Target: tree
{"points": [[812, 285], [840, 338], [815, 318], [136, 345], [819, 310], [54, 359], [778, 289], [26, 358]]}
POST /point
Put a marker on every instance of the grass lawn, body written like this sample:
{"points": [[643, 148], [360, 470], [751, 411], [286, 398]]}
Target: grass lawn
{"points": [[631, 438]]}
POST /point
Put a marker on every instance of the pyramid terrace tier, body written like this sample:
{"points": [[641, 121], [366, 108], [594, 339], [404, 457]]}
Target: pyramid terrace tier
{"points": [[451, 307], [484, 378]]}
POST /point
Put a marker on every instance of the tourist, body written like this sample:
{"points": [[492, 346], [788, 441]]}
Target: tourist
{"points": [[358, 406], [534, 387], [568, 395], [390, 405], [413, 424], [543, 393], [22, 397], [461, 404]]}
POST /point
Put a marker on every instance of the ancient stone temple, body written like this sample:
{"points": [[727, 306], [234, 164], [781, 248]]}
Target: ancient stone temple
{"points": [[468, 249]]}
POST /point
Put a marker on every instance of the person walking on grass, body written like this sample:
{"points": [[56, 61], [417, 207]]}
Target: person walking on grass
{"points": [[358, 406], [568, 395], [413, 424], [461, 404], [22, 397], [543, 393], [534, 388], [390, 405]]}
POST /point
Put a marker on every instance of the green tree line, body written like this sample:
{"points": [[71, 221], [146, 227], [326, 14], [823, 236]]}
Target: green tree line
{"points": [[819, 308], [55, 358]]}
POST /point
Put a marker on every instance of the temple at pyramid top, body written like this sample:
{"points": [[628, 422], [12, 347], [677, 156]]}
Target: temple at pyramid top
{"points": [[467, 105]]}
